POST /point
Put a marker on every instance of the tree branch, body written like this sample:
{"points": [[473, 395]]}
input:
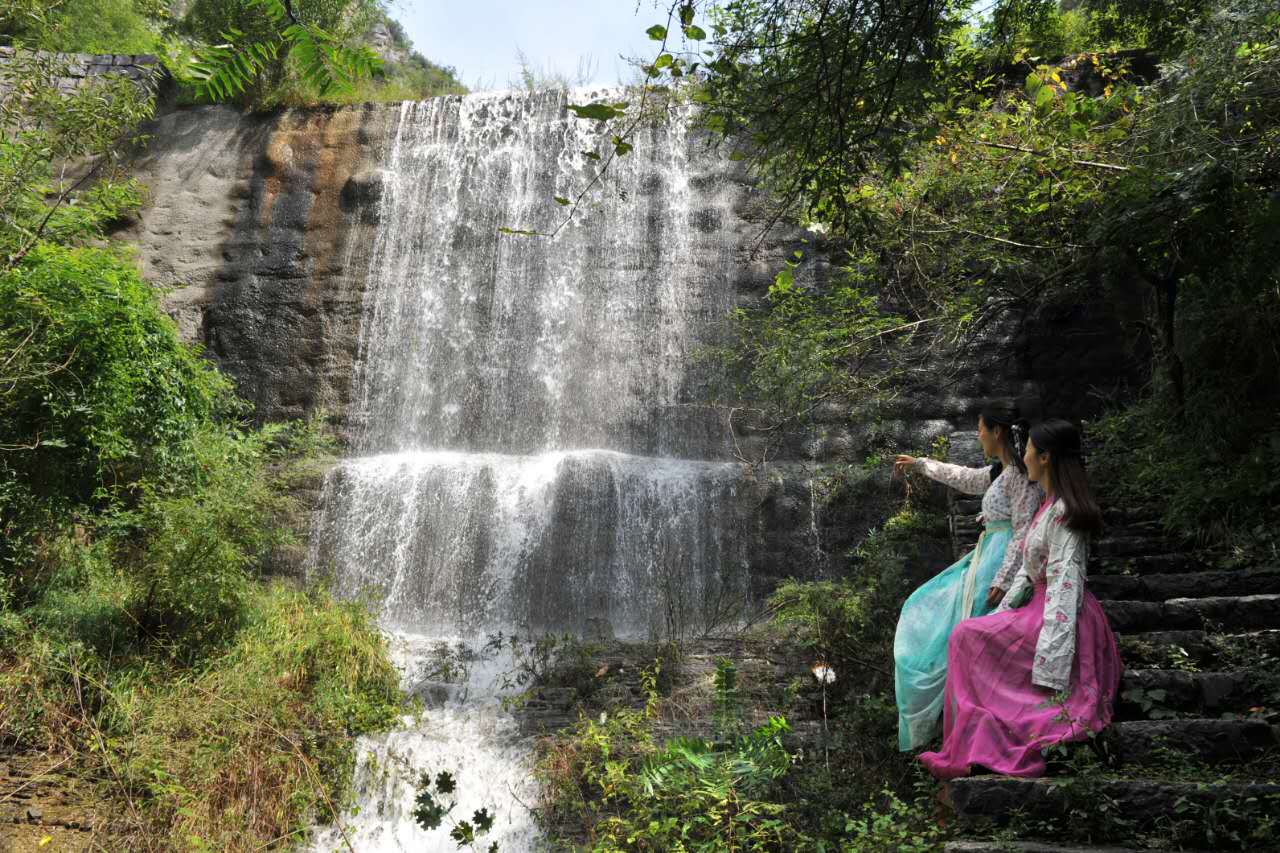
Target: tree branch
{"points": [[16, 258], [1094, 163]]}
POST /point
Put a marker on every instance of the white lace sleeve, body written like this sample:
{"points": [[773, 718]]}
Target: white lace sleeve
{"points": [[971, 481], [1064, 581], [1024, 499]]}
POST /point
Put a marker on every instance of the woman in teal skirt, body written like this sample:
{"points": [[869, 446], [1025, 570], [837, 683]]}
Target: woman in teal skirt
{"points": [[977, 582]]}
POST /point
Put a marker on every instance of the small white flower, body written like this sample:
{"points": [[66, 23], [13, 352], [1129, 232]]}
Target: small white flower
{"points": [[824, 673]]}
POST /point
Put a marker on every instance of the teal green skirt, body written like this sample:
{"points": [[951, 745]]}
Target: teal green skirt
{"points": [[928, 617]]}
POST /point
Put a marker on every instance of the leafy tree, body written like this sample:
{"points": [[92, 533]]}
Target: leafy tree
{"points": [[135, 513], [816, 90], [107, 389], [250, 42], [43, 126], [1074, 182], [1165, 27]]}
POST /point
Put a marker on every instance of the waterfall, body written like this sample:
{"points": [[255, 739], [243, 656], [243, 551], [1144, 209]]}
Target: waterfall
{"points": [[531, 448], [465, 542]]}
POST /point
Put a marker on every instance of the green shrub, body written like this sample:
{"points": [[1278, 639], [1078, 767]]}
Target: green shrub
{"points": [[99, 389], [1213, 478], [610, 778], [86, 26], [195, 546], [889, 824], [103, 26]]}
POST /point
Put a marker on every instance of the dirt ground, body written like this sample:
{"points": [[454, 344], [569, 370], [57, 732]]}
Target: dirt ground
{"points": [[45, 806]]}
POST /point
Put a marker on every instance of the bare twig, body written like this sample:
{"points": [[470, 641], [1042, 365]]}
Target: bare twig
{"points": [[645, 88], [1094, 163], [17, 257], [36, 778]]}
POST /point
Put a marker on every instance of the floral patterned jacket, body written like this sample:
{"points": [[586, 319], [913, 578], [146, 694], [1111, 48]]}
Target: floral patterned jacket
{"points": [[1055, 555], [1009, 497]]}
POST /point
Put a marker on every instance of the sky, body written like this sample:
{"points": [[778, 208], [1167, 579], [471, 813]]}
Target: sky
{"points": [[479, 38]]}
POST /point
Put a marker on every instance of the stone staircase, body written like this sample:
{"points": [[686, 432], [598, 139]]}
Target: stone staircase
{"points": [[1192, 760]]}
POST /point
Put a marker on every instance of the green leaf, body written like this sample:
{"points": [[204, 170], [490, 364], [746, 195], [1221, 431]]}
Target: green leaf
{"points": [[591, 155], [445, 783], [562, 200], [694, 33], [621, 147], [463, 833], [663, 61], [657, 32], [483, 820], [1044, 97], [519, 232], [598, 112], [686, 14]]}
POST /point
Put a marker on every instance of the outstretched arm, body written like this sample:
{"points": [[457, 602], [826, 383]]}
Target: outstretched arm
{"points": [[970, 481]]}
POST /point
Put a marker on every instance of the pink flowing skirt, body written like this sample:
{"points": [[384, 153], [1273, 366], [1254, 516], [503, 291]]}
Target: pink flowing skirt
{"points": [[993, 716]]}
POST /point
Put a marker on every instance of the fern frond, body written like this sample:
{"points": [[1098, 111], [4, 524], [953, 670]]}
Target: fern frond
{"points": [[220, 71], [275, 9], [324, 61]]}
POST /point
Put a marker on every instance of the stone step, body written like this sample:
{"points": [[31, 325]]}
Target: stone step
{"points": [[1136, 526], [1145, 516], [1245, 612], [1146, 564], [1114, 550], [1144, 803], [1155, 693], [1129, 544], [1203, 649], [1129, 540], [1190, 585], [1034, 847], [1206, 740]]}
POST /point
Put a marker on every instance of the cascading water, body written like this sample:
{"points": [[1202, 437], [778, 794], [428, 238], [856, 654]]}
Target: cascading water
{"points": [[530, 454]]}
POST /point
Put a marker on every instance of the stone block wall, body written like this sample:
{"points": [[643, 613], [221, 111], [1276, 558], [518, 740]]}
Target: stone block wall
{"points": [[143, 69]]}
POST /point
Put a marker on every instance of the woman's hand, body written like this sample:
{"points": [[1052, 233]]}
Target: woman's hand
{"points": [[901, 463], [994, 596]]}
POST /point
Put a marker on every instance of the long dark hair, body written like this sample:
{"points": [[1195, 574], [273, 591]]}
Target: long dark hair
{"points": [[1006, 413], [1061, 440]]}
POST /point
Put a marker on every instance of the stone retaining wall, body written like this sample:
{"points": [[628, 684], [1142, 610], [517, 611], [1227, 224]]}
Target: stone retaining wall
{"points": [[143, 69]]}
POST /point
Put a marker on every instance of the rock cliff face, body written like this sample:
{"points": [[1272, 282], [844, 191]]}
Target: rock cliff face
{"points": [[263, 228], [260, 226], [255, 230]]}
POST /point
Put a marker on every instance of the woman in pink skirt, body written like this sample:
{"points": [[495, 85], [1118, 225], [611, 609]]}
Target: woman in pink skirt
{"points": [[1039, 673]]}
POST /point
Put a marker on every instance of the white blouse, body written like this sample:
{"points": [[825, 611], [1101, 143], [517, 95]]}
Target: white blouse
{"points": [[1055, 555], [1009, 497]]}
